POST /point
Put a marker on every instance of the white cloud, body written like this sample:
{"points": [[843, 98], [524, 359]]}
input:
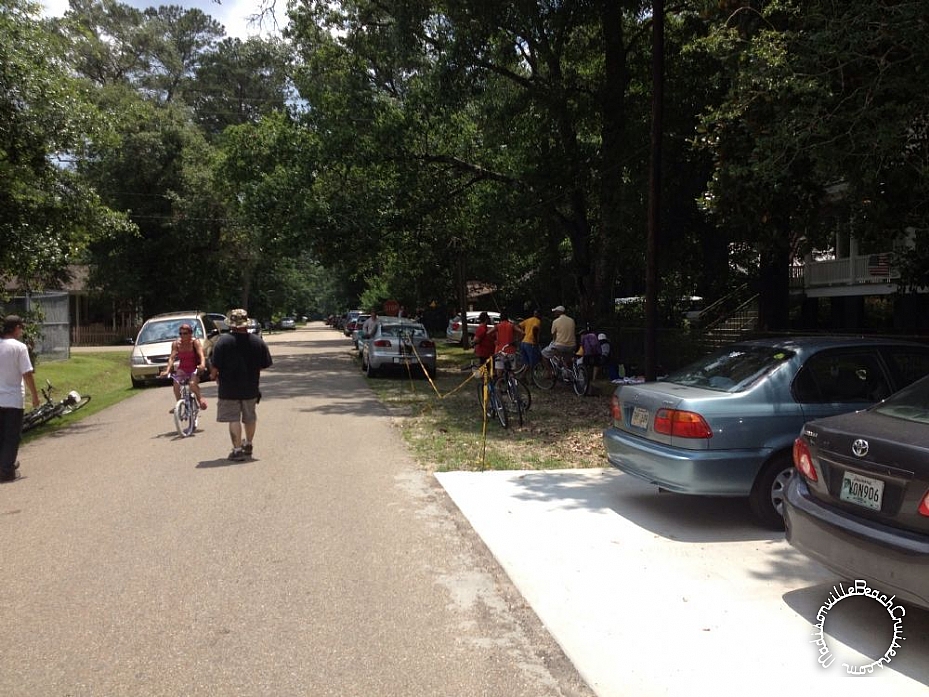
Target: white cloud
{"points": [[232, 14]]}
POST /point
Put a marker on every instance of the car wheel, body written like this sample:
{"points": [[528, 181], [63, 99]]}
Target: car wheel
{"points": [[370, 370], [137, 383], [769, 491]]}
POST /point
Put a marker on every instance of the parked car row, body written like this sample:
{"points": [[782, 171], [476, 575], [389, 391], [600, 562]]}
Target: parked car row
{"points": [[728, 425]]}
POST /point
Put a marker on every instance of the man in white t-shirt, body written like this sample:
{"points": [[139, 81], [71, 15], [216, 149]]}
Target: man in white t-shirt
{"points": [[369, 325], [15, 373]]}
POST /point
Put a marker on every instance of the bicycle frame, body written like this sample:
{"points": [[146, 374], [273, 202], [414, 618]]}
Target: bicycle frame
{"points": [[515, 395], [489, 398], [187, 408], [561, 368]]}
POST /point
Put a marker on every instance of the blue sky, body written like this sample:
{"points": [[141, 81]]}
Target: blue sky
{"points": [[232, 14]]}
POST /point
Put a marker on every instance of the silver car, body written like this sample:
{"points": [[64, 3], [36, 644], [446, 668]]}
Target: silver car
{"points": [[398, 345], [453, 331], [725, 425], [152, 346]]}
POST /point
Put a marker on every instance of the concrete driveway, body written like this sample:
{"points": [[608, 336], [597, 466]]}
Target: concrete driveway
{"points": [[660, 594]]}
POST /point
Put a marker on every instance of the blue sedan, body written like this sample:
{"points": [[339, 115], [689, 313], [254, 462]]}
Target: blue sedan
{"points": [[725, 425]]}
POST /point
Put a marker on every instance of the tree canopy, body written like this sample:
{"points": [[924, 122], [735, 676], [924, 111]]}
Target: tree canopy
{"points": [[406, 147]]}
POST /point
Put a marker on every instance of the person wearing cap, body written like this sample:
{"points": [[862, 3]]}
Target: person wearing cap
{"points": [[16, 373], [237, 361], [563, 330], [187, 359]]}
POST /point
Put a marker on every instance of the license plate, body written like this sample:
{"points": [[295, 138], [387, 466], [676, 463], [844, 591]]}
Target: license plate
{"points": [[403, 359], [862, 491], [640, 417]]}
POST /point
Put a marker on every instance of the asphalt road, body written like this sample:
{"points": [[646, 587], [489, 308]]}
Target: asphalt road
{"points": [[135, 562]]}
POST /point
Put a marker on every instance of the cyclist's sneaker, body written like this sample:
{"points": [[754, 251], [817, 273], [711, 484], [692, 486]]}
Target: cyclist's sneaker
{"points": [[247, 449], [237, 454]]}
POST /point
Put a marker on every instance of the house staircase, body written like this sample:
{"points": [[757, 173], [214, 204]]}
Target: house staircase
{"points": [[731, 318]]}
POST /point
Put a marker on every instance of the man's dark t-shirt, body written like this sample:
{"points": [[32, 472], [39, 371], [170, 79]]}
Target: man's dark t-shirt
{"points": [[240, 358]]}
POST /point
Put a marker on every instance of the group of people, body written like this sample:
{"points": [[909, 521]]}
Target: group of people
{"points": [[236, 364], [508, 337]]}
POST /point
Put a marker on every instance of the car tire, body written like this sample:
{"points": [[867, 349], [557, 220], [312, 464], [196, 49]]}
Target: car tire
{"points": [[768, 492], [137, 383], [370, 370]]}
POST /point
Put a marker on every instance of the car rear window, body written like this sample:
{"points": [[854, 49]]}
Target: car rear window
{"points": [[911, 403], [732, 369]]}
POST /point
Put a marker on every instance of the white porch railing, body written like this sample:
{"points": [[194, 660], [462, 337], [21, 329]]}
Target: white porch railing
{"points": [[848, 271]]}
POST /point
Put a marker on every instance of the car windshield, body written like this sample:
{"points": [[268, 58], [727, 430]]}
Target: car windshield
{"points": [[166, 330], [731, 369], [911, 403]]}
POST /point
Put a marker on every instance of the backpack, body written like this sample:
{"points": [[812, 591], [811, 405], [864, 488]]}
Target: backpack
{"points": [[590, 344]]}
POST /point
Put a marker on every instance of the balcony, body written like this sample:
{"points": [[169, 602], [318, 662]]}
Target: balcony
{"points": [[867, 274]]}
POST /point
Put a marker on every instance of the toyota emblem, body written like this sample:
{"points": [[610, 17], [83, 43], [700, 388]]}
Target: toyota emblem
{"points": [[860, 447]]}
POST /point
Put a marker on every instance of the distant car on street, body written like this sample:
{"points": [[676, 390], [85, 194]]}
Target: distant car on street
{"points": [[725, 425], [288, 323]]}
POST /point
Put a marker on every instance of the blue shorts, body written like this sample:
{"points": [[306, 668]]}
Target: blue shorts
{"points": [[530, 353]]}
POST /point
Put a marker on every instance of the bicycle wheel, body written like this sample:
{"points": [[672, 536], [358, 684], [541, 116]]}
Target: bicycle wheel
{"points": [[77, 404], [515, 395], [580, 381], [193, 416], [499, 408], [541, 375], [180, 416]]}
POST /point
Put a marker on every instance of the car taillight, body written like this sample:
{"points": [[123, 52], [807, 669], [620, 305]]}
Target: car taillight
{"points": [[803, 460], [456, 326], [681, 424], [427, 344], [924, 505], [616, 411], [382, 343]]}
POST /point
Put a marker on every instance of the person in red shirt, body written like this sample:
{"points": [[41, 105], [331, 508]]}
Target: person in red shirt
{"points": [[484, 337], [506, 336]]}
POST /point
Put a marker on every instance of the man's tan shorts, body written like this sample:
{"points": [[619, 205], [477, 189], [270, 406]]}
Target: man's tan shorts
{"points": [[233, 410]]}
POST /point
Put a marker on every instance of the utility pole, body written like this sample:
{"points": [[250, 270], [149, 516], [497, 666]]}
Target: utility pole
{"points": [[654, 192]]}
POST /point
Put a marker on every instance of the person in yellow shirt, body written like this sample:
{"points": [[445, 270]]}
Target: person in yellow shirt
{"points": [[529, 346]]}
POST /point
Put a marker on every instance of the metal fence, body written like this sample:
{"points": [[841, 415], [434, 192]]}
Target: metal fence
{"points": [[54, 340]]}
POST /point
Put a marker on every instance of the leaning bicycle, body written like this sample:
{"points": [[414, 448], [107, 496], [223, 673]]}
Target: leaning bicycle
{"points": [[491, 403], [49, 410], [514, 393], [187, 409], [561, 367]]}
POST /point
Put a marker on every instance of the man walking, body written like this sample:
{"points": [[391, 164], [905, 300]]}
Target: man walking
{"points": [[15, 373], [237, 361]]}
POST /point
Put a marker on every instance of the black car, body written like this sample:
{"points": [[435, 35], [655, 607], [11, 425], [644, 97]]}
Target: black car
{"points": [[861, 504]]}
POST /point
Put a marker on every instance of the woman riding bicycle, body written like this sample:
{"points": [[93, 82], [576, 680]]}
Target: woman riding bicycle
{"points": [[188, 359]]}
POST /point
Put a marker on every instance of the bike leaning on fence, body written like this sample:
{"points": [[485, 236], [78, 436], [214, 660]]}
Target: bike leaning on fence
{"points": [[562, 367], [187, 409], [515, 395], [44, 413]]}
